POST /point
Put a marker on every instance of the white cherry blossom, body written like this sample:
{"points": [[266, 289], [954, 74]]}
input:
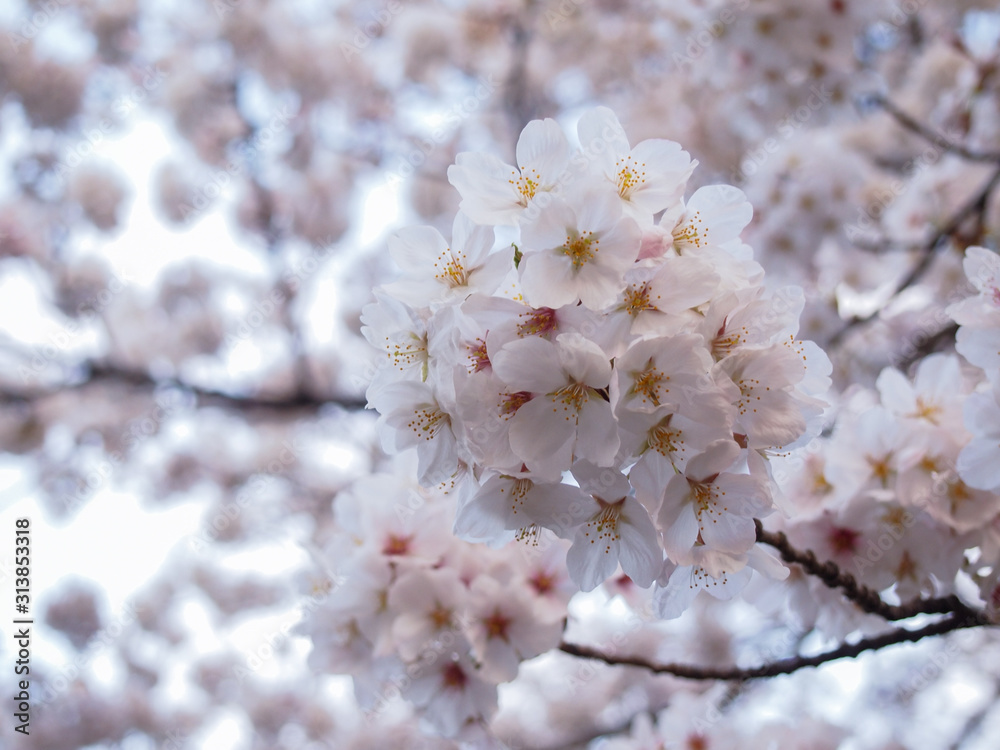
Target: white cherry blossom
{"points": [[436, 271], [615, 529], [711, 506], [648, 178], [569, 416], [578, 251], [497, 193]]}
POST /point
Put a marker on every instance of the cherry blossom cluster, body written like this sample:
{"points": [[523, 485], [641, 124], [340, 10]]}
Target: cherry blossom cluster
{"points": [[593, 354], [978, 463], [903, 494], [420, 617]]}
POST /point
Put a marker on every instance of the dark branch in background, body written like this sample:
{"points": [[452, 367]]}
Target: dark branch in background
{"points": [[976, 206], [867, 599], [927, 346], [974, 723], [118, 375], [516, 91], [300, 399], [939, 140], [783, 666]]}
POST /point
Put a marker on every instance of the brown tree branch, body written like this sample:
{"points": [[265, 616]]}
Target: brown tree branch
{"points": [[867, 599], [958, 616], [120, 375], [976, 206], [929, 135], [782, 666], [929, 345]]}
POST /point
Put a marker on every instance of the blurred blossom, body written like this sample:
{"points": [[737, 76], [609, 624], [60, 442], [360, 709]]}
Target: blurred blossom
{"points": [[197, 200]]}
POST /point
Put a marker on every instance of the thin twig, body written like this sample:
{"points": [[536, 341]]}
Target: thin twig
{"points": [[976, 205], [783, 666], [867, 599], [939, 140], [120, 375], [928, 345]]}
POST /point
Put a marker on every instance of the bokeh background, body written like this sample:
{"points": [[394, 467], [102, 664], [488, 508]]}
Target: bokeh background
{"points": [[194, 201]]}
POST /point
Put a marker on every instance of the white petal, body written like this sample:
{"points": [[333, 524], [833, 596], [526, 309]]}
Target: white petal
{"points": [[542, 146], [591, 564], [529, 364], [597, 434], [639, 549], [541, 437]]}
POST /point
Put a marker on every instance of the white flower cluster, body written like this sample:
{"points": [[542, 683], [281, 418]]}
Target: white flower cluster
{"points": [[422, 618], [619, 376], [903, 495], [978, 463]]}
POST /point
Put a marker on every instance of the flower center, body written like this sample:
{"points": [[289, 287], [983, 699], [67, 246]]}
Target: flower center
{"points": [[542, 582], [843, 540], [397, 545], [518, 490], [631, 175], [453, 677], [511, 402], [479, 360], [705, 500], [440, 616], [526, 182], [907, 568], [691, 231], [572, 396], [880, 468], [926, 411], [496, 625], [637, 300], [748, 390], [726, 341], [540, 321], [427, 421], [646, 384], [663, 440], [529, 534], [408, 352], [958, 493], [451, 273], [580, 249], [603, 527]]}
